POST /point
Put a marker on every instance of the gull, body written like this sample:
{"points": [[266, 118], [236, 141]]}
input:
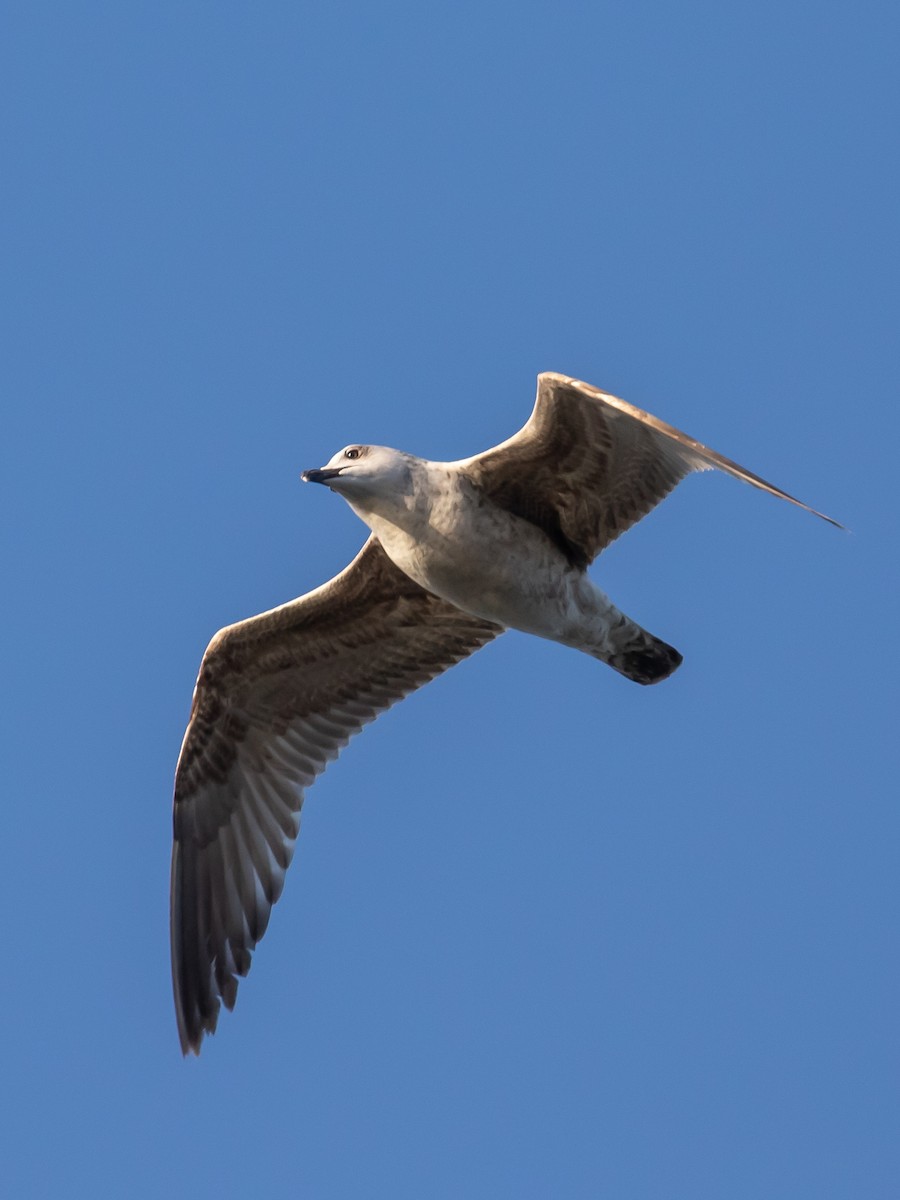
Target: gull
{"points": [[458, 552]]}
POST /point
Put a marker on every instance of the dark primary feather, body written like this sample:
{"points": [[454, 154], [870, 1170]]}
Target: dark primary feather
{"points": [[276, 698]]}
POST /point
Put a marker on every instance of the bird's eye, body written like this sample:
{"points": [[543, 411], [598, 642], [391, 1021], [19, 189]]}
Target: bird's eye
{"points": [[354, 452]]}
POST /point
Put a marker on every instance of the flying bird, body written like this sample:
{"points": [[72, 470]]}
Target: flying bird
{"points": [[458, 552]]}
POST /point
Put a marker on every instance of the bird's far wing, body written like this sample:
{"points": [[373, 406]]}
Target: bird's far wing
{"points": [[276, 699], [587, 466]]}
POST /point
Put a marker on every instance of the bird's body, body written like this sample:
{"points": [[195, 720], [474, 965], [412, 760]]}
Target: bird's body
{"points": [[458, 552], [445, 533]]}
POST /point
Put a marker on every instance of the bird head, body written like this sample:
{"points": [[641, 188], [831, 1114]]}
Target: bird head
{"points": [[364, 472]]}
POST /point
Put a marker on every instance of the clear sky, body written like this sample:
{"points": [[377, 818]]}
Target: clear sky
{"points": [[547, 933]]}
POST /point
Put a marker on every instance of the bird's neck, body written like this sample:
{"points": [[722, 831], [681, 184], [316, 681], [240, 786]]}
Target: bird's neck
{"points": [[402, 518]]}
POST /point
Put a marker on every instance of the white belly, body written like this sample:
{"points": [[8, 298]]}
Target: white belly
{"points": [[503, 569], [452, 541]]}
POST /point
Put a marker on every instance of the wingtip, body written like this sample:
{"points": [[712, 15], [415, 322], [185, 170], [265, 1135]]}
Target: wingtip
{"points": [[806, 507], [191, 1038], [832, 521], [189, 1048]]}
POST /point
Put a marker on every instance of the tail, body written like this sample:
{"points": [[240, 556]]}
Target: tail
{"points": [[643, 657]]}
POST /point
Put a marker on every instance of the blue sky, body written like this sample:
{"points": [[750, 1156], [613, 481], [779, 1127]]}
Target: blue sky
{"points": [[547, 933]]}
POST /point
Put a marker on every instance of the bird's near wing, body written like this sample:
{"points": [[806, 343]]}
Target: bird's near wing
{"points": [[277, 697], [587, 466]]}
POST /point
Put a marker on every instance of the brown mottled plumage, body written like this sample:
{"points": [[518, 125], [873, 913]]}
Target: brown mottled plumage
{"points": [[277, 697], [587, 466], [459, 552]]}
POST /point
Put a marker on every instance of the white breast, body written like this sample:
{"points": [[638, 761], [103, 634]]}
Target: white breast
{"points": [[479, 557]]}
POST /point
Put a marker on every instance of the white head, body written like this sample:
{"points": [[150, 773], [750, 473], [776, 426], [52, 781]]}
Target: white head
{"points": [[368, 477]]}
